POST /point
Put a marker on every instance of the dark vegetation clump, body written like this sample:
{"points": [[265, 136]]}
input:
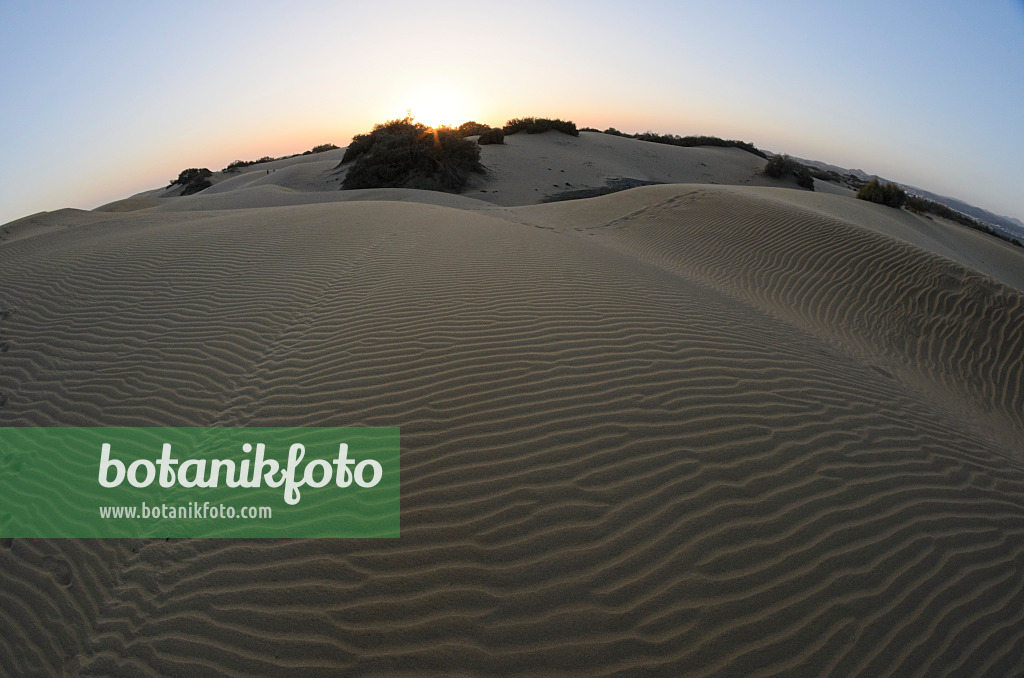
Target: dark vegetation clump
{"points": [[473, 128], [616, 133], [361, 143], [408, 154], [320, 149], [854, 181], [837, 178], [491, 136], [892, 195], [889, 195], [486, 133], [689, 141], [192, 180], [925, 206], [239, 164], [539, 125], [782, 166], [236, 165], [777, 167]]}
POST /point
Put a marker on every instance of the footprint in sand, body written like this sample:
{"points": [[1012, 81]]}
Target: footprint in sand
{"points": [[59, 569]]}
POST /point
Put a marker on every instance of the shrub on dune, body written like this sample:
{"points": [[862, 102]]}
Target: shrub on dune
{"points": [[359, 145], [539, 125], [692, 141], [473, 128], [491, 136], [777, 167], [782, 166], [408, 154], [322, 148], [236, 165], [688, 141], [192, 180], [889, 195]]}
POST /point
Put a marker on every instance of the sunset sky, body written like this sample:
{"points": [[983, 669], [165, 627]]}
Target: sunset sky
{"points": [[103, 100]]}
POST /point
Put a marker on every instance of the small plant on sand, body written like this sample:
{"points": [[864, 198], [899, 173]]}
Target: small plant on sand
{"points": [[782, 166], [408, 154], [890, 194], [491, 136], [192, 180], [539, 125]]}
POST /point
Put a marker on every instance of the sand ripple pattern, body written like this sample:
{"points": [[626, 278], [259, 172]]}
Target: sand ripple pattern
{"points": [[927, 318], [628, 450]]}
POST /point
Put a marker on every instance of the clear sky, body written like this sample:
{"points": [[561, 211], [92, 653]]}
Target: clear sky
{"points": [[100, 100]]}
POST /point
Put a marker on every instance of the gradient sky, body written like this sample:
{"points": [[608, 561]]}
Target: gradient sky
{"points": [[103, 100]]}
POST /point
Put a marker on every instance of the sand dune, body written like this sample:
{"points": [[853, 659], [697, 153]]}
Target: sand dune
{"points": [[530, 167], [679, 430], [526, 169]]}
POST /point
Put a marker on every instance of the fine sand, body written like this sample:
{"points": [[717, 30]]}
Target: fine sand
{"points": [[679, 430]]}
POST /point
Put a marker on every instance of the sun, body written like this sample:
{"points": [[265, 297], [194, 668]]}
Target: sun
{"points": [[436, 106]]}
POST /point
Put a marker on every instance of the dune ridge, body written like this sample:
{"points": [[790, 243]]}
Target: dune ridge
{"points": [[645, 433]]}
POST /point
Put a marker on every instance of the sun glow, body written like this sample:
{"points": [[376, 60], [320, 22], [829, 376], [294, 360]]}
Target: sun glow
{"points": [[437, 106]]}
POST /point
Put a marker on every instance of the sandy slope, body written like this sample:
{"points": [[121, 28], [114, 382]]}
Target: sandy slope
{"points": [[678, 430]]}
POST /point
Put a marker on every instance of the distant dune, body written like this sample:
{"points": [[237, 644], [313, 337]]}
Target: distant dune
{"points": [[684, 429], [1011, 227], [526, 169]]}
